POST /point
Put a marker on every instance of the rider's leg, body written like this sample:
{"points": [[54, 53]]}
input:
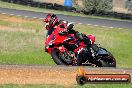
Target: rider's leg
{"points": [[83, 38]]}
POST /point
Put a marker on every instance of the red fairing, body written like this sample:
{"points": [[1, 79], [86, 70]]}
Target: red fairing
{"points": [[48, 39], [60, 39], [55, 39], [62, 49], [92, 38]]}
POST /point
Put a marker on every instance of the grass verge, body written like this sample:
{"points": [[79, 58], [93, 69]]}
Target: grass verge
{"points": [[29, 86], [106, 86], [22, 48], [28, 8], [57, 86], [26, 47]]}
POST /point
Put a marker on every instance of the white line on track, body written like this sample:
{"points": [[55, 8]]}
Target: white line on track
{"points": [[89, 24], [103, 26], [12, 14], [18, 15], [79, 23], [111, 27], [34, 17], [26, 16], [3, 13], [96, 25]]}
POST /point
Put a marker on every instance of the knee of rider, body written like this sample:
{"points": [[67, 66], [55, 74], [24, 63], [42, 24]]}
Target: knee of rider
{"points": [[79, 36]]}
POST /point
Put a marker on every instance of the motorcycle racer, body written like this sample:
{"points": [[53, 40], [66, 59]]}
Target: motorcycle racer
{"points": [[52, 22]]}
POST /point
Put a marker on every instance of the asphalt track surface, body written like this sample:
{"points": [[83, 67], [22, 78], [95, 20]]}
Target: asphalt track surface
{"points": [[75, 19]]}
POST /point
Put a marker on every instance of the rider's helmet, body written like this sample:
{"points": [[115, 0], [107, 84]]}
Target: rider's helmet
{"points": [[51, 20]]}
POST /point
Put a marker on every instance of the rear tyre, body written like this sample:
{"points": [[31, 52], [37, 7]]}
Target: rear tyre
{"points": [[102, 63], [104, 58], [107, 61]]}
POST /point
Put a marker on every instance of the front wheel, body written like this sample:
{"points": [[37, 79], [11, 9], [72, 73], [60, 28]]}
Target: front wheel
{"points": [[56, 58], [62, 58]]}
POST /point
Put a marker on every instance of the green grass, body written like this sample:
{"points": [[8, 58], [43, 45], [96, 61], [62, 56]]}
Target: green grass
{"points": [[29, 86], [21, 47], [106, 86], [28, 8], [75, 86]]}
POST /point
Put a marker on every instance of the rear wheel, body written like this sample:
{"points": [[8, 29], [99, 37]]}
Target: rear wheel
{"points": [[106, 61]]}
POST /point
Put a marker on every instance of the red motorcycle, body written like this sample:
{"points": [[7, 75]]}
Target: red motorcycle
{"points": [[63, 55]]}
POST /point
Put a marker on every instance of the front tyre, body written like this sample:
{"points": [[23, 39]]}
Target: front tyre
{"points": [[55, 55]]}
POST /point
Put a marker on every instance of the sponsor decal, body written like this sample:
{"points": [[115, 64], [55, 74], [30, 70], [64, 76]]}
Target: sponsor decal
{"points": [[108, 78], [83, 78]]}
